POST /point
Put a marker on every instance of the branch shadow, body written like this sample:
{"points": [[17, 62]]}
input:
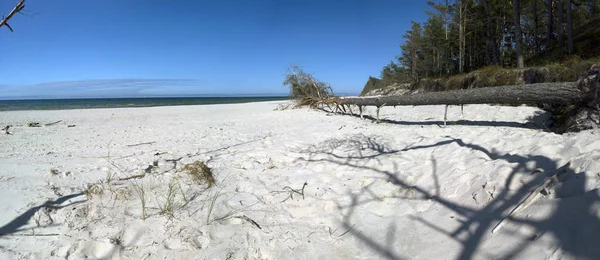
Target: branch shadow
{"points": [[573, 222], [15, 225]]}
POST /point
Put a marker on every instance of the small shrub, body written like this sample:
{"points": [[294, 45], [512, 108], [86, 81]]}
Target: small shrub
{"points": [[200, 172], [454, 82]]}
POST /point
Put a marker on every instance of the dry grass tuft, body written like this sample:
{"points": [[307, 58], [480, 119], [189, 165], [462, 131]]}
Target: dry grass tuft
{"points": [[200, 172], [93, 189]]}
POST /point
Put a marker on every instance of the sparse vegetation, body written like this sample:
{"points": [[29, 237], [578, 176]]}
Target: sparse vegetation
{"points": [[109, 177], [213, 200], [200, 172], [139, 188], [168, 207], [93, 189], [571, 69]]}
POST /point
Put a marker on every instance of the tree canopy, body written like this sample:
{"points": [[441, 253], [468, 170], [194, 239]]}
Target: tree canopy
{"points": [[465, 35]]}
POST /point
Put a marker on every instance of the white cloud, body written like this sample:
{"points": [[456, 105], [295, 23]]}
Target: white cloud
{"points": [[100, 88]]}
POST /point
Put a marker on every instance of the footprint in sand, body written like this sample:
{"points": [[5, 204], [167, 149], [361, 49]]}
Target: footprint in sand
{"points": [[96, 250]]}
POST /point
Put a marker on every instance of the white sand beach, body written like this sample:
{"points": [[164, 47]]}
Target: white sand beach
{"points": [[407, 188]]}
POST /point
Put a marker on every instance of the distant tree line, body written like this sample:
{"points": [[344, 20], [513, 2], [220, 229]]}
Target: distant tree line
{"points": [[464, 35]]}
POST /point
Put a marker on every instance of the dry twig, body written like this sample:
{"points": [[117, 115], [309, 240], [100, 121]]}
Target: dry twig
{"points": [[5, 129], [244, 217], [292, 191], [53, 123], [133, 177], [132, 145], [17, 9], [31, 235]]}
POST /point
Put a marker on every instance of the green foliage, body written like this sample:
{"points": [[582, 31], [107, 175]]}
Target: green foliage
{"points": [[372, 84], [392, 73], [305, 88], [431, 48], [570, 69]]}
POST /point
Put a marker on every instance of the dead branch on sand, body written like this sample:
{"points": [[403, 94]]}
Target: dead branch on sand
{"points": [[534, 195], [291, 191], [132, 145], [31, 235], [5, 129], [133, 177], [244, 217], [53, 123]]}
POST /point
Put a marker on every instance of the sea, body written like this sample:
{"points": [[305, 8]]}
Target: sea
{"points": [[84, 103]]}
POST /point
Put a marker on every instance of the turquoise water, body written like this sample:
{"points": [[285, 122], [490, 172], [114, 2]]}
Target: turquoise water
{"points": [[54, 104]]}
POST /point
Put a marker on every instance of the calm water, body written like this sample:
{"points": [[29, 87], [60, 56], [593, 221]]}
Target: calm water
{"points": [[53, 104]]}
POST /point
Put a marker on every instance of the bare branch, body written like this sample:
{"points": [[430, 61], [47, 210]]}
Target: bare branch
{"points": [[17, 9]]}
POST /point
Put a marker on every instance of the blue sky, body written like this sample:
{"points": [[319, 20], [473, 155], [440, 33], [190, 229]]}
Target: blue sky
{"points": [[134, 48]]}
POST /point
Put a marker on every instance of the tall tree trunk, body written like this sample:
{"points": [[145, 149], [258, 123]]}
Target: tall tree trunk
{"points": [[549, 29], [444, 66], [446, 18], [535, 26], [560, 27], [569, 28], [414, 62], [490, 39], [518, 36], [461, 37]]}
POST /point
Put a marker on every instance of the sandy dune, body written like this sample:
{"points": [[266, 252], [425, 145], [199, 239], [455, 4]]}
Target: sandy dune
{"points": [[403, 189]]}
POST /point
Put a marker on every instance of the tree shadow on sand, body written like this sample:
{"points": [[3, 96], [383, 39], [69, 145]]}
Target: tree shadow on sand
{"points": [[541, 120], [573, 222], [16, 224]]}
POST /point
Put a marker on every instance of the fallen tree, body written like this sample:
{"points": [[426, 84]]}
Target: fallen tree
{"points": [[530, 94], [575, 104]]}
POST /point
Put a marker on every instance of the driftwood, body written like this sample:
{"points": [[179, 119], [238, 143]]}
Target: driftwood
{"points": [[534, 195]]}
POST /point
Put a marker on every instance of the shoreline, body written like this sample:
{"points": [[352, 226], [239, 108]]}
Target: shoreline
{"points": [[69, 104]]}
